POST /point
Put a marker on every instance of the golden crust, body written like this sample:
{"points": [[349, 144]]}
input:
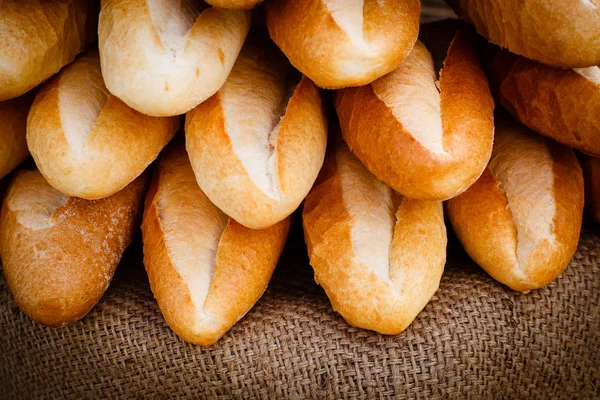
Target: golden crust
{"points": [[39, 38], [364, 298], [591, 173], [235, 4], [569, 194], [299, 149], [392, 153], [161, 67], [120, 145], [484, 223], [312, 37], [244, 262], [59, 253], [564, 33], [13, 124], [558, 103]]}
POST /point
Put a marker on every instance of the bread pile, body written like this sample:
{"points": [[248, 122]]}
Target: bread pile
{"points": [[209, 124]]}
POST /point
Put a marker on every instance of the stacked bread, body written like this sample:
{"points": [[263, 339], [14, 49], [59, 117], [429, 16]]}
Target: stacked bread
{"points": [[411, 124], [521, 221]]}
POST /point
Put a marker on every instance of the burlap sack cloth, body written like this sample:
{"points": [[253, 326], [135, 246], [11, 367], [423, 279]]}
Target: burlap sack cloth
{"points": [[476, 338]]}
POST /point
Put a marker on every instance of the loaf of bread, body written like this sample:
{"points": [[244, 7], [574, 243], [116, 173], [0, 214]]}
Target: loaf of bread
{"points": [[561, 33], [39, 38], [378, 255], [13, 124], [521, 220], [234, 4], [591, 174], [339, 43], [206, 271], [164, 57], [59, 253], [86, 142], [563, 104], [428, 139], [257, 145]]}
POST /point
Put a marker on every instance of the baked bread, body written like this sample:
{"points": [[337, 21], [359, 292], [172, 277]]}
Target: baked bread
{"points": [[164, 57], [344, 43], [257, 145], [561, 33], [13, 124], [591, 174], [206, 271], [39, 38], [59, 253], [86, 142], [428, 139], [563, 104], [521, 220], [378, 255]]}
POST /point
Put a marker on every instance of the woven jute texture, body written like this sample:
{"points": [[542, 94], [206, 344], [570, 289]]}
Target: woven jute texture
{"points": [[475, 339]]}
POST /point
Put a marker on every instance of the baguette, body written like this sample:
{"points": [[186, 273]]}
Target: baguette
{"points": [[235, 4], [164, 57], [86, 142], [13, 124], [426, 139], [561, 33], [521, 220], [39, 38], [563, 104], [339, 44], [591, 173], [206, 271], [378, 255], [59, 253], [257, 145]]}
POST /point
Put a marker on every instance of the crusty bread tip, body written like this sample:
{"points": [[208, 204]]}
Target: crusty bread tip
{"points": [[427, 138], [342, 43], [206, 271], [59, 253], [563, 104], [378, 255], [86, 142], [257, 145], [522, 219], [164, 57], [39, 37], [560, 33]]}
